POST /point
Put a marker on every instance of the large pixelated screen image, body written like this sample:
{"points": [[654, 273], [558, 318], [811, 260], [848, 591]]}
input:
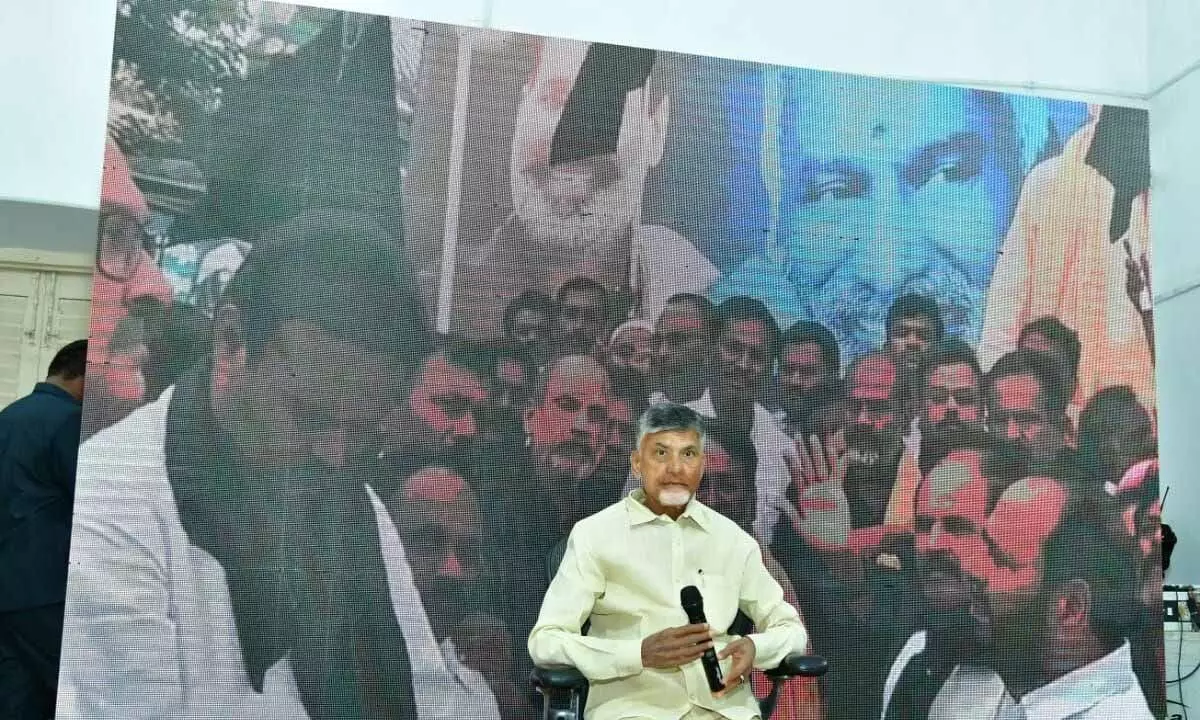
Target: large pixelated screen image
{"points": [[378, 304]]}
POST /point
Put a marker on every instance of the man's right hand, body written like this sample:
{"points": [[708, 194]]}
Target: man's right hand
{"points": [[676, 646]]}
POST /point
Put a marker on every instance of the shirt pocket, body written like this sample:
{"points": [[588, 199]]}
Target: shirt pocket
{"points": [[720, 595]]}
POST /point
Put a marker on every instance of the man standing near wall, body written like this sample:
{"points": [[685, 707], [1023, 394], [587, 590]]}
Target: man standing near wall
{"points": [[39, 442]]}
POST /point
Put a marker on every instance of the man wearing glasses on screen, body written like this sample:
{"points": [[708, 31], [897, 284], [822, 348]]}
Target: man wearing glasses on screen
{"points": [[130, 299]]}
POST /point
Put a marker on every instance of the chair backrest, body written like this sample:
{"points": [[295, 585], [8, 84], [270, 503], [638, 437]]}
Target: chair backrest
{"points": [[554, 559]]}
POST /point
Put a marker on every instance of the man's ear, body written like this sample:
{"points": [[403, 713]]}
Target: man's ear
{"points": [[1072, 610], [229, 346]]}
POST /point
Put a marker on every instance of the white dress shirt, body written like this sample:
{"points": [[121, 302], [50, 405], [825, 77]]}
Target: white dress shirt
{"points": [[623, 569], [149, 630], [1104, 689]]}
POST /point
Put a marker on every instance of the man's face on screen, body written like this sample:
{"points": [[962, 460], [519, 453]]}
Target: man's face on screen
{"points": [[569, 429], [308, 397], [951, 511], [630, 351], [802, 369], [873, 441], [740, 362], [447, 399], [577, 205], [1018, 414], [1018, 616], [889, 189], [1126, 438], [909, 338], [579, 322], [443, 540], [622, 430], [952, 399], [530, 330], [680, 340], [510, 387], [1058, 354]]}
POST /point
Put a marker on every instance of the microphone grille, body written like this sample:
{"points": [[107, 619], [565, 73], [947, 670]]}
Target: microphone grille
{"points": [[690, 596]]}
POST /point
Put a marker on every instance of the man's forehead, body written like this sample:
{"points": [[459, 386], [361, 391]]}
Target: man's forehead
{"points": [[437, 485], [1016, 392], [953, 376], [680, 317], [577, 376], [953, 483], [531, 315], [802, 353], [912, 322], [875, 120], [873, 376], [335, 366], [580, 298], [674, 439], [632, 336], [754, 331], [441, 373]]}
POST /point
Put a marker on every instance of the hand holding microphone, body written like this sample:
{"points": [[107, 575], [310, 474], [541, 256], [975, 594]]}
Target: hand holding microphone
{"points": [[676, 646], [741, 650]]}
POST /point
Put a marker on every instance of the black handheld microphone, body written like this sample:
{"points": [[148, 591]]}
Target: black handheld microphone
{"points": [[693, 605]]}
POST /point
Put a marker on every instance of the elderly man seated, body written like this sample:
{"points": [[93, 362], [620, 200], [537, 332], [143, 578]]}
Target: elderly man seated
{"points": [[624, 568]]}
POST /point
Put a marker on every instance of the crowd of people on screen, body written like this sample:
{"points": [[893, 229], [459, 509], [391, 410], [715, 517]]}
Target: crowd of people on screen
{"points": [[952, 537]]}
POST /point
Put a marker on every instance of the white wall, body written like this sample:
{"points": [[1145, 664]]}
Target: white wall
{"points": [[55, 55], [1175, 145]]}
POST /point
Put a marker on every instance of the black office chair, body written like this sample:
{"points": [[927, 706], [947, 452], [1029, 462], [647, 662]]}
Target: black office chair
{"points": [[564, 689]]}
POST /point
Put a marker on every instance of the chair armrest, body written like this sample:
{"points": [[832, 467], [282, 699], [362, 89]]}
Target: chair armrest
{"points": [[799, 665], [561, 677]]}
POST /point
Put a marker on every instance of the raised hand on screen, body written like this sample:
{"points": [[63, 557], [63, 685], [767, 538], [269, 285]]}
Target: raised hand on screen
{"points": [[822, 513], [819, 462]]}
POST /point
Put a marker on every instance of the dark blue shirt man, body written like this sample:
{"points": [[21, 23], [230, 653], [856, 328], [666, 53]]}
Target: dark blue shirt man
{"points": [[39, 442]]}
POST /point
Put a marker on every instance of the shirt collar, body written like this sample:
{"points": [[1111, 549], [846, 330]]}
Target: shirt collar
{"points": [[639, 514], [1080, 689], [52, 389]]}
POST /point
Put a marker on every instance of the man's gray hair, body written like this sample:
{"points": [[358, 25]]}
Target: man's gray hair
{"points": [[665, 416]]}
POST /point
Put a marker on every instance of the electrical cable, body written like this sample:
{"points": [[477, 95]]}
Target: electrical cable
{"points": [[1179, 664]]}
